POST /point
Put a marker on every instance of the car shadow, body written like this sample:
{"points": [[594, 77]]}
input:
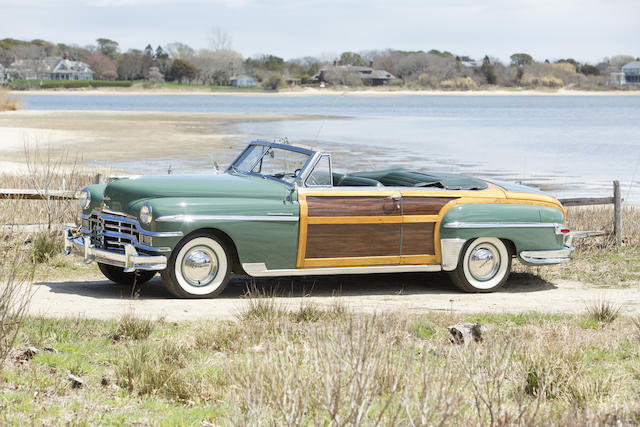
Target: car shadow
{"points": [[295, 287]]}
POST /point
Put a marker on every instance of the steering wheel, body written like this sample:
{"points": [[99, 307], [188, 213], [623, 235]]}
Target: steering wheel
{"points": [[295, 172]]}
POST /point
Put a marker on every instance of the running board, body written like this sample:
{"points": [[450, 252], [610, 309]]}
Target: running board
{"points": [[259, 269]]}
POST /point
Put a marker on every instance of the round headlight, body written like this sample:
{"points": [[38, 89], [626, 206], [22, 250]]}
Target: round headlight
{"points": [[84, 198], [146, 213]]}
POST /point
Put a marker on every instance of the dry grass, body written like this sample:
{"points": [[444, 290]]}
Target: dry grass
{"points": [[598, 260], [600, 218], [7, 102], [603, 311], [16, 274], [351, 369], [130, 326]]}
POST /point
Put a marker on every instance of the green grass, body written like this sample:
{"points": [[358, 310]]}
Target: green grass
{"points": [[277, 366]]}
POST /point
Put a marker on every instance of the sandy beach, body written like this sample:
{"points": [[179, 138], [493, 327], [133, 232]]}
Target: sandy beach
{"points": [[104, 137], [311, 91]]}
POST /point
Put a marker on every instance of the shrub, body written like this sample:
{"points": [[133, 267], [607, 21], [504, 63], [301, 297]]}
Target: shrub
{"points": [[274, 82], [66, 84], [427, 80], [133, 327], [603, 311], [45, 246], [8, 103], [463, 83]]}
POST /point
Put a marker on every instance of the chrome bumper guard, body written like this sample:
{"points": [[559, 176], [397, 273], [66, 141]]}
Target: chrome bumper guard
{"points": [[548, 257], [130, 260]]}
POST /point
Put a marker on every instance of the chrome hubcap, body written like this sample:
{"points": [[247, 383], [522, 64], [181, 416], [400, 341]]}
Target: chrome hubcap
{"points": [[484, 262], [199, 266]]}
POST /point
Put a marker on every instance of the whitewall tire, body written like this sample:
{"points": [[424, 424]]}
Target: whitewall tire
{"points": [[484, 265], [199, 267]]}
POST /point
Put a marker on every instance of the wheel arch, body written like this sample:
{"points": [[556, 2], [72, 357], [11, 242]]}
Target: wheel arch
{"points": [[228, 242]]}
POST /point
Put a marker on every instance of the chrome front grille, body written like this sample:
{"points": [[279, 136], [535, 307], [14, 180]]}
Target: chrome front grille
{"points": [[112, 231]]}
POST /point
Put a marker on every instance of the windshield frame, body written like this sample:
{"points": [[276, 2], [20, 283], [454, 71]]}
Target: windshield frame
{"points": [[303, 170]]}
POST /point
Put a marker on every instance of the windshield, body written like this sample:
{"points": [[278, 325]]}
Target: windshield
{"points": [[271, 162]]}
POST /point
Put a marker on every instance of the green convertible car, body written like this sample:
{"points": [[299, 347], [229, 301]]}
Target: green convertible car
{"points": [[280, 210]]}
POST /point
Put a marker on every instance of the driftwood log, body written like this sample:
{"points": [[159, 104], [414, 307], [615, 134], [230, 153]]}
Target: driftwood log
{"points": [[466, 333]]}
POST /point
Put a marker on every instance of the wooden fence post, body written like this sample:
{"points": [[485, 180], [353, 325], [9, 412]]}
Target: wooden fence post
{"points": [[617, 212], [99, 179]]}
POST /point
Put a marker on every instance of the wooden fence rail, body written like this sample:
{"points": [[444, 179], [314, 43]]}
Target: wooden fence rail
{"points": [[616, 200]]}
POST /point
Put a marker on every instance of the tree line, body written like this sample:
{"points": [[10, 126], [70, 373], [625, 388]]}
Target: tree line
{"points": [[434, 69]]}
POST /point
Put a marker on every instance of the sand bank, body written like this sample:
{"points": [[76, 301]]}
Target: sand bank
{"points": [[302, 92], [99, 137]]}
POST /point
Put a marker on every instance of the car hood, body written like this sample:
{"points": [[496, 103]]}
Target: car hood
{"points": [[125, 195]]}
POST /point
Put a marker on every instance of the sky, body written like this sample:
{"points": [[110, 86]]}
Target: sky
{"points": [[586, 30]]}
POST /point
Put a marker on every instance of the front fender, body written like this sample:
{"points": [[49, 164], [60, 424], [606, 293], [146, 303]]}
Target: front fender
{"points": [[262, 230]]}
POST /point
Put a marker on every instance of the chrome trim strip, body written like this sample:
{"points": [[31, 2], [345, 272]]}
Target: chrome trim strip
{"points": [[548, 257], [116, 217], [130, 260], [198, 218], [259, 269], [112, 212], [451, 253], [457, 224]]}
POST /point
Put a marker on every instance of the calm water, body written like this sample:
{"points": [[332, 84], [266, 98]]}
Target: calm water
{"points": [[569, 146]]}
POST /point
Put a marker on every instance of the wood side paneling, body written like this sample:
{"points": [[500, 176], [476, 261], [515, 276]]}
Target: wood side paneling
{"points": [[417, 238], [424, 205], [353, 240], [351, 206]]}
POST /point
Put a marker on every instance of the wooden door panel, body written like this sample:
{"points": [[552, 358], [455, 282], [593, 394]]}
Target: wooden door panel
{"points": [[417, 238], [420, 243], [423, 205], [357, 228], [351, 206], [353, 240]]}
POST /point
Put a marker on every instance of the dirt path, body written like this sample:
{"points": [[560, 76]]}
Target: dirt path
{"points": [[408, 293]]}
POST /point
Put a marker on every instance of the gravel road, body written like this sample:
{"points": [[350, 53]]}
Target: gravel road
{"points": [[407, 293]]}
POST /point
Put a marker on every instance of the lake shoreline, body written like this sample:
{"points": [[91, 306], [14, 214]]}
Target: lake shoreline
{"points": [[313, 92]]}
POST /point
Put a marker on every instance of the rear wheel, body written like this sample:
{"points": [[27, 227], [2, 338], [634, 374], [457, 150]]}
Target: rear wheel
{"points": [[484, 266], [199, 267], [117, 275]]}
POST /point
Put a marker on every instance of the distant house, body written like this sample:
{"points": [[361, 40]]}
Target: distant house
{"points": [[30, 69], [470, 63], [367, 75], [49, 69], [292, 81], [242, 81], [66, 69], [630, 74]]}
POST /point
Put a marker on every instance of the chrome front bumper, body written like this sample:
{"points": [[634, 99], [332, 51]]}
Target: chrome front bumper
{"points": [[548, 257], [130, 260]]}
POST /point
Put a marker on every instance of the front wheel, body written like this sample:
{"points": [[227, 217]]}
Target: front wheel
{"points": [[117, 275], [199, 267], [484, 266]]}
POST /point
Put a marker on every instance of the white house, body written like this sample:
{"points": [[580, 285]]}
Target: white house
{"points": [[242, 81], [629, 74], [49, 69], [66, 69]]}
